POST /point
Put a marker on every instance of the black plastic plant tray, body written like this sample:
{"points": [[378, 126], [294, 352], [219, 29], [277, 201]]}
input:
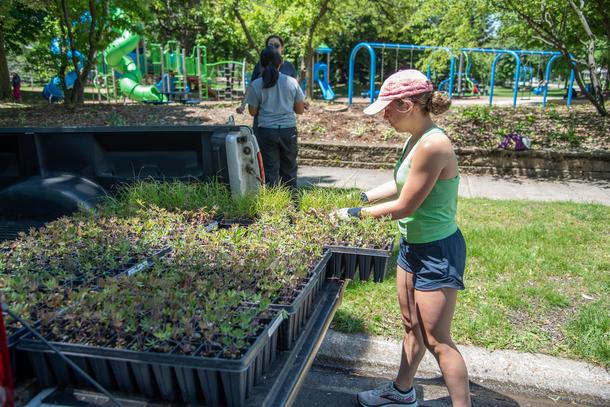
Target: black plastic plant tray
{"points": [[241, 222], [346, 260], [21, 369], [175, 378], [281, 384], [299, 310]]}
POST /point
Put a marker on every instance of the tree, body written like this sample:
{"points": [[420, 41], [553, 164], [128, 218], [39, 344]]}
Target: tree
{"points": [[19, 25], [86, 27], [298, 23], [181, 20], [578, 30]]}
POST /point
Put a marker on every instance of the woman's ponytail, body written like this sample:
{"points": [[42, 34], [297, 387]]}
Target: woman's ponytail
{"points": [[271, 60]]}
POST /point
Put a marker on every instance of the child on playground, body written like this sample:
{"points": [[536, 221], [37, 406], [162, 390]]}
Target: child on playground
{"points": [[275, 99], [432, 252], [16, 87]]}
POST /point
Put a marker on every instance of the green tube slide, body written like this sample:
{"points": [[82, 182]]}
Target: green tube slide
{"points": [[117, 58]]}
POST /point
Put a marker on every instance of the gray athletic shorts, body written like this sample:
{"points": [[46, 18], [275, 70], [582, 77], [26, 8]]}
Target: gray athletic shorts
{"points": [[435, 265]]}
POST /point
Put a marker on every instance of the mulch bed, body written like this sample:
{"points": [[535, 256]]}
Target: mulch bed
{"points": [[556, 128]]}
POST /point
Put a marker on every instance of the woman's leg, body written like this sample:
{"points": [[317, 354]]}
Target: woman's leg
{"points": [[435, 311], [289, 150], [413, 348], [268, 144]]}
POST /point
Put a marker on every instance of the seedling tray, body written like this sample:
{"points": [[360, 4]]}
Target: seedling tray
{"points": [[167, 376], [300, 309], [21, 369], [240, 222], [346, 260], [280, 385]]}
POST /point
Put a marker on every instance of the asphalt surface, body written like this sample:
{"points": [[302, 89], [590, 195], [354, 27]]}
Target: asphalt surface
{"points": [[325, 387]]}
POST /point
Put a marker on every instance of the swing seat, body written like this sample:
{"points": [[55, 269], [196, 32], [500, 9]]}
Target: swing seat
{"points": [[368, 93]]}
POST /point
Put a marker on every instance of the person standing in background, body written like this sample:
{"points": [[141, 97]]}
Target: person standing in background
{"points": [[16, 87], [275, 99], [273, 41]]}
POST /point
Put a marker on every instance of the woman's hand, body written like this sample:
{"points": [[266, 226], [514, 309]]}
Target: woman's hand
{"points": [[346, 213]]}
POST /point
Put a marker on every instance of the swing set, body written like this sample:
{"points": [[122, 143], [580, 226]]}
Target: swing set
{"points": [[371, 47], [498, 54]]}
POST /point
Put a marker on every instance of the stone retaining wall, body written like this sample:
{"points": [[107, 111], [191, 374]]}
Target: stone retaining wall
{"points": [[532, 163]]}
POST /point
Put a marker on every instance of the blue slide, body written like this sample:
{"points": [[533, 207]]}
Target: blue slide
{"points": [[321, 73], [52, 90]]}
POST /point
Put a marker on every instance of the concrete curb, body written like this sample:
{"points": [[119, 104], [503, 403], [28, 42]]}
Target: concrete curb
{"points": [[377, 356]]}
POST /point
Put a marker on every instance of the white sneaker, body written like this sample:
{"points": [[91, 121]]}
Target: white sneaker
{"points": [[387, 396]]}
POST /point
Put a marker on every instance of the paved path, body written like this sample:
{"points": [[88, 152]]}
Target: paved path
{"points": [[483, 186], [510, 371], [329, 387]]}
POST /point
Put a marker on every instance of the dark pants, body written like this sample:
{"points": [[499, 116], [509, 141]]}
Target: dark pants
{"points": [[279, 149]]}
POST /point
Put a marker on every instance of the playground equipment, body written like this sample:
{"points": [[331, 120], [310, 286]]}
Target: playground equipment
{"points": [[370, 47], [116, 56], [180, 73], [321, 72], [366, 94], [227, 79], [53, 91], [466, 86], [498, 53]]}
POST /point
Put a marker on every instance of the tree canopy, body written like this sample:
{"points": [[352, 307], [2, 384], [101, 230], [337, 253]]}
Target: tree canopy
{"points": [[236, 30]]}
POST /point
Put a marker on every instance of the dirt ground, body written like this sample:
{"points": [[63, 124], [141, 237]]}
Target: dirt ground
{"points": [[556, 128]]}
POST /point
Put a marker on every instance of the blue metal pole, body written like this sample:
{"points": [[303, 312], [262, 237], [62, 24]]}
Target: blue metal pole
{"points": [[517, 69], [569, 101], [352, 59], [493, 77], [547, 78], [429, 72], [451, 72]]}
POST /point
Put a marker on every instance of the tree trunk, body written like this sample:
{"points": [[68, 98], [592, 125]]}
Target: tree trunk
{"points": [[309, 56], [597, 96], [309, 53], [78, 92], [5, 77], [244, 26]]}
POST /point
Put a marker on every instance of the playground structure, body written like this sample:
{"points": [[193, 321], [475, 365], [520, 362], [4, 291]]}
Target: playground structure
{"points": [[53, 91], [321, 72], [498, 53], [116, 57], [173, 73], [466, 85]]}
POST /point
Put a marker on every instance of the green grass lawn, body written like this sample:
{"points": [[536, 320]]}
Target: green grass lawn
{"points": [[537, 280], [508, 92]]}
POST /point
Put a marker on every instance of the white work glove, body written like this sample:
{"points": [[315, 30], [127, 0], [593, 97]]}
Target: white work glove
{"points": [[345, 213], [339, 214]]}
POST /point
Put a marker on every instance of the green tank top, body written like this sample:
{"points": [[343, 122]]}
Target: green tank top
{"points": [[435, 217]]}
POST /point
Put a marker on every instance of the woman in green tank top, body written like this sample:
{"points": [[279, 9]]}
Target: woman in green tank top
{"points": [[423, 199]]}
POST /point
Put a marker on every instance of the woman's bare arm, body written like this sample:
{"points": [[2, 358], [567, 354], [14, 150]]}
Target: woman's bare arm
{"points": [[383, 191], [430, 159], [299, 107]]}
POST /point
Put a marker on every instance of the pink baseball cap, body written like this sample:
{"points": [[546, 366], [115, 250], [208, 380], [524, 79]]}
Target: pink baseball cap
{"points": [[398, 86]]}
